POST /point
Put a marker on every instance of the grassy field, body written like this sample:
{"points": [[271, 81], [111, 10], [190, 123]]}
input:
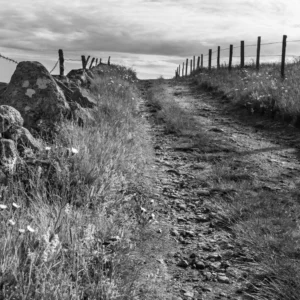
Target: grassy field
{"points": [[262, 92], [79, 221]]}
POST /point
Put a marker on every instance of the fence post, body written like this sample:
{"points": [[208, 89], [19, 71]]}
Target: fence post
{"points": [[209, 59], [186, 66], [283, 55], [218, 58], [179, 70], [230, 57], [83, 62], [96, 61], [201, 61], [182, 69], [242, 54], [61, 62], [198, 63], [92, 62], [87, 61], [108, 61], [194, 63], [100, 61], [191, 66], [258, 53]]}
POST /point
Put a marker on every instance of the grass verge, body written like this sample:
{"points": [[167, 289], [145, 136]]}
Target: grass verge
{"points": [[262, 92], [78, 220]]}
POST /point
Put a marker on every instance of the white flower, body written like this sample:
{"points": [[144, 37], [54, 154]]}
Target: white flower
{"points": [[143, 210], [21, 230], [3, 206], [74, 151], [47, 148], [15, 205], [30, 229], [11, 222]]}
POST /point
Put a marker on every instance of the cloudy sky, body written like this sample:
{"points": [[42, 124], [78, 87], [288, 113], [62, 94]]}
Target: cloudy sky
{"points": [[152, 36]]}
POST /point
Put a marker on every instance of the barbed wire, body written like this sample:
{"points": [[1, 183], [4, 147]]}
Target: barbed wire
{"points": [[9, 59], [54, 67]]}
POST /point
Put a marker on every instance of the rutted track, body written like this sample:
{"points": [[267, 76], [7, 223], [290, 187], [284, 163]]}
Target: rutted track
{"points": [[205, 262]]}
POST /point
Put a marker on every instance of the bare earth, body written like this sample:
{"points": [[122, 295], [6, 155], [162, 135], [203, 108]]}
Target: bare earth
{"points": [[205, 261]]}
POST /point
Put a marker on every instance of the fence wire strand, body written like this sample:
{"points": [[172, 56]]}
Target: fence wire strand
{"points": [[8, 59], [54, 67]]}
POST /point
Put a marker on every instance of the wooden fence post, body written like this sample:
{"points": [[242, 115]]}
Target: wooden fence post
{"points": [[198, 63], [283, 55], [61, 62], [258, 53], [92, 62], [191, 66], [87, 61], [179, 70], [194, 63], [100, 61], [182, 69], [108, 62], [230, 57], [218, 58], [242, 54], [96, 61], [83, 62], [201, 61], [186, 66], [209, 58]]}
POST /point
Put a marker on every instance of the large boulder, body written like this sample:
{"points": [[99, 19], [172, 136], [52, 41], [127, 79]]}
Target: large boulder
{"points": [[35, 94], [81, 77], [9, 117], [23, 138], [83, 98], [3, 87], [8, 156]]}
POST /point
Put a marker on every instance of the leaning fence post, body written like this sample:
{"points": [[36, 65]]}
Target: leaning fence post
{"points": [[108, 61], [198, 63], [242, 54], [201, 61], [96, 61], [92, 62], [87, 61], [191, 66], [61, 62], [218, 58], [100, 61], [258, 53], [186, 66], [283, 55], [83, 62], [209, 59], [230, 56]]}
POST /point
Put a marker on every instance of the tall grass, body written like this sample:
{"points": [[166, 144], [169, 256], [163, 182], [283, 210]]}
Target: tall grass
{"points": [[263, 92], [75, 218]]}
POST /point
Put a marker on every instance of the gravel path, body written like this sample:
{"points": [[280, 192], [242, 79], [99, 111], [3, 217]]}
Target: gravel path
{"points": [[206, 262]]}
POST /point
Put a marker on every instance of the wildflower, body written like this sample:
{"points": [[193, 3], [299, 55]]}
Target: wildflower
{"points": [[15, 205], [30, 229], [47, 148], [74, 151], [11, 222], [31, 255], [143, 210], [21, 230], [68, 209], [3, 206]]}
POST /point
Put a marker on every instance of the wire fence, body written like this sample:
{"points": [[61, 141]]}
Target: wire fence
{"points": [[84, 60], [209, 57]]}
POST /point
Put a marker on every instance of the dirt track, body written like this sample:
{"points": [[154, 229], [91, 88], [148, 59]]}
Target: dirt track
{"points": [[206, 262]]}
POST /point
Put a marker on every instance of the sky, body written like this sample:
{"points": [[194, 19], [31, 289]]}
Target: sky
{"points": [[151, 36]]}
